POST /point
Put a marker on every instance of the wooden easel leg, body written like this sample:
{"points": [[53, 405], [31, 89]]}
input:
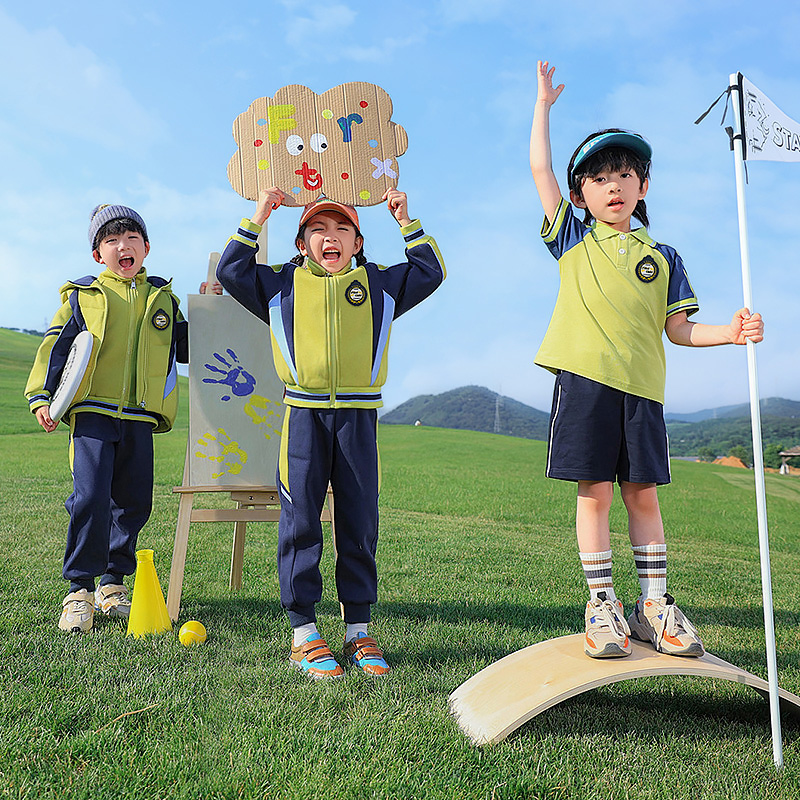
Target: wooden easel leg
{"points": [[237, 555], [179, 548], [179, 556], [329, 497]]}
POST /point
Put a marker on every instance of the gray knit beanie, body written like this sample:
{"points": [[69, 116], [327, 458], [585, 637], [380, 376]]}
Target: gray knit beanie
{"points": [[106, 213]]}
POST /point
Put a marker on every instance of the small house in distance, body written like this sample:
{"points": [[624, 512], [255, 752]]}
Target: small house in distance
{"points": [[792, 452]]}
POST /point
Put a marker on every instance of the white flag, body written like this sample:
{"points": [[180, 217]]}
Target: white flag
{"points": [[769, 135]]}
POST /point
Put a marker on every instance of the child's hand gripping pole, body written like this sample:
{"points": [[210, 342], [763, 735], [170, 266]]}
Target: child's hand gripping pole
{"points": [[746, 326]]}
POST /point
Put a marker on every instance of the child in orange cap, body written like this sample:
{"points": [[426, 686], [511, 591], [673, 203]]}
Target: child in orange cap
{"points": [[330, 312]]}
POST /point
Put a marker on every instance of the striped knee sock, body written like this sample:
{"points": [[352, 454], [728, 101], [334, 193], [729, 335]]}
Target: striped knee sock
{"points": [[597, 569], [651, 566]]}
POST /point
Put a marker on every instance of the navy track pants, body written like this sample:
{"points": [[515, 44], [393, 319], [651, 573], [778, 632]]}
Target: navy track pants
{"points": [[112, 471], [319, 446]]}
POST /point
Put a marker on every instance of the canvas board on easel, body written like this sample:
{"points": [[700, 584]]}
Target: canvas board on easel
{"points": [[235, 396]]}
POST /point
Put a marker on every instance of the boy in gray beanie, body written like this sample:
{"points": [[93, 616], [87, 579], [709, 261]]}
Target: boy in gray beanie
{"points": [[131, 392]]}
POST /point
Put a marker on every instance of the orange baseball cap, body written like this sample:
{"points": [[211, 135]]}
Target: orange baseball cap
{"points": [[328, 205]]}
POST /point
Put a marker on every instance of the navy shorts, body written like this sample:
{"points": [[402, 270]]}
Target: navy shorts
{"points": [[602, 434]]}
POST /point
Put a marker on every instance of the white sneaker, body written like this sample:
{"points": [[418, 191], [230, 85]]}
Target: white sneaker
{"points": [[77, 614]]}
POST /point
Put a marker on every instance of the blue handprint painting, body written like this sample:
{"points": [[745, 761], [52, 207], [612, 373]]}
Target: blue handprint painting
{"points": [[240, 382]]}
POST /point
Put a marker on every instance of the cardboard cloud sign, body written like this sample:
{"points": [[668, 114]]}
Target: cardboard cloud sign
{"points": [[341, 144]]}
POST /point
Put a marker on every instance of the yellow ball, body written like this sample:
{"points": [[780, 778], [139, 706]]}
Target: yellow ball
{"points": [[192, 632]]}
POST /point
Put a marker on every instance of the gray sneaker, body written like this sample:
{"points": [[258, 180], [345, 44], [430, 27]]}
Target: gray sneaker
{"points": [[77, 614], [112, 600], [662, 624]]}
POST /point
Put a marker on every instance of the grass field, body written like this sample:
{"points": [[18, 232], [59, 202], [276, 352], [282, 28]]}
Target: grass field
{"points": [[477, 559]]}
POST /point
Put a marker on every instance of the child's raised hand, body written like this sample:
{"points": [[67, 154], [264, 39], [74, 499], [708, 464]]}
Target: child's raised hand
{"points": [[268, 201], [546, 93], [397, 203], [746, 326]]}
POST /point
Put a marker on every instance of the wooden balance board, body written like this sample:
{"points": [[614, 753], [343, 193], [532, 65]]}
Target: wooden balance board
{"points": [[500, 698]]}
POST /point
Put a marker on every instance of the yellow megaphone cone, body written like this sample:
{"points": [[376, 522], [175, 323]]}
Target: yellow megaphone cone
{"points": [[148, 609]]}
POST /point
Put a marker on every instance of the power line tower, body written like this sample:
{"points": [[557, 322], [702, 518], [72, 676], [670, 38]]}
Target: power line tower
{"points": [[498, 405]]}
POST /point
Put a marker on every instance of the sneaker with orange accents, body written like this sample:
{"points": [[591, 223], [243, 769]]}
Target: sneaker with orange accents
{"points": [[606, 630], [364, 652], [315, 659], [661, 623]]}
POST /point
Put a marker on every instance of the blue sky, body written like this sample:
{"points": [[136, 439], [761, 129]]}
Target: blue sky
{"points": [[135, 105]]}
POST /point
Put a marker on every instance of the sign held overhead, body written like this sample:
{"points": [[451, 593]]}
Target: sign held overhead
{"points": [[341, 144]]}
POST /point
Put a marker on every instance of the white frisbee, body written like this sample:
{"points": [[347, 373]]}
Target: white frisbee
{"points": [[74, 370]]}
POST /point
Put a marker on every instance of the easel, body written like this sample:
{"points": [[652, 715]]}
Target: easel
{"points": [[254, 503]]}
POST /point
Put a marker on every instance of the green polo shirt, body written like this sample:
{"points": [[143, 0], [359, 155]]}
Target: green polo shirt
{"points": [[615, 294]]}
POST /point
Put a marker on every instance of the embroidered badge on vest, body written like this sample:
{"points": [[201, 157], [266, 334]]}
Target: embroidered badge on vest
{"points": [[647, 269], [356, 294], [160, 320]]}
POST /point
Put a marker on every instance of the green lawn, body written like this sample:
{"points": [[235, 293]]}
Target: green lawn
{"points": [[477, 559]]}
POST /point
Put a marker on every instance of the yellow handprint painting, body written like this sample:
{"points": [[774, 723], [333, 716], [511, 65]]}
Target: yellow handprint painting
{"points": [[265, 413], [222, 450]]}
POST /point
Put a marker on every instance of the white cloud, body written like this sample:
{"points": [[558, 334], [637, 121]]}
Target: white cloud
{"points": [[53, 89], [383, 50], [338, 33], [47, 250], [324, 31]]}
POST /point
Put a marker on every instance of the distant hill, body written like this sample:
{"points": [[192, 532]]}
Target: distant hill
{"points": [[24, 330], [771, 406], [720, 435], [476, 408], [720, 429], [472, 408]]}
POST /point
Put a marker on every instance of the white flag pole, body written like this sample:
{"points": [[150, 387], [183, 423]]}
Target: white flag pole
{"points": [[755, 419]]}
